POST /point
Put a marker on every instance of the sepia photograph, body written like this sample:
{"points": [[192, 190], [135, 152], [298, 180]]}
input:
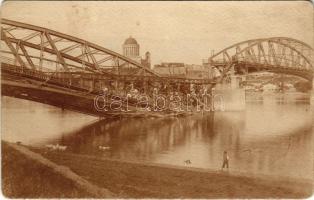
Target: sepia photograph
{"points": [[157, 99]]}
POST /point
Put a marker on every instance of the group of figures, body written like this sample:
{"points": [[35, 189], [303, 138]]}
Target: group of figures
{"points": [[160, 96]]}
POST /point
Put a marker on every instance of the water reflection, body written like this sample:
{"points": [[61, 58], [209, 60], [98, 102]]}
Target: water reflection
{"points": [[138, 138], [265, 138], [260, 140]]}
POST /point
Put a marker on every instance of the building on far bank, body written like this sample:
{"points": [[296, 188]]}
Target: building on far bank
{"points": [[182, 70], [197, 71], [131, 49], [171, 69]]}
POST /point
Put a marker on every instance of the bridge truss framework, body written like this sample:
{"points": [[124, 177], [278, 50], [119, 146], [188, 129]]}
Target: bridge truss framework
{"points": [[276, 54], [42, 56]]}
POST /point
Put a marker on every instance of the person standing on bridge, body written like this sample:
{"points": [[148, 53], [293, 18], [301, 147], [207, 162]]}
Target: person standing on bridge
{"points": [[225, 162]]}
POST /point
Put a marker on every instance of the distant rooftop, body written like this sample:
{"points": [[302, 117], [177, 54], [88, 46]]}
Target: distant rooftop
{"points": [[130, 40]]}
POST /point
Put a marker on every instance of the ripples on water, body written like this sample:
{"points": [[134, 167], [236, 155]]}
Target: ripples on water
{"points": [[268, 138]]}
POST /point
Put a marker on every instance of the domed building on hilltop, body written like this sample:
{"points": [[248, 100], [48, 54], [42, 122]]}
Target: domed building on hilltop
{"points": [[131, 49]]}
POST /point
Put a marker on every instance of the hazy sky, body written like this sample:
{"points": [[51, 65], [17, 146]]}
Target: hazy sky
{"points": [[171, 31]]}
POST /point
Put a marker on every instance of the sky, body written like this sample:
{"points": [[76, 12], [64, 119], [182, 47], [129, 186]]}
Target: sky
{"points": [[171, 31]]}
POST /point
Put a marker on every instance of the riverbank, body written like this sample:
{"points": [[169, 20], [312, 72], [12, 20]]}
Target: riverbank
{"points": [[22, 177]]}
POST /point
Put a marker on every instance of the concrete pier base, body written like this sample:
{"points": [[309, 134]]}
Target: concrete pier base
{"points": [[312, 98], [312, 94], [227, 98]]}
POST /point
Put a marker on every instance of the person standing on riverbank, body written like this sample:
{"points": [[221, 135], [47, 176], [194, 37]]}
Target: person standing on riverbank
{"points": [[225, 162]]}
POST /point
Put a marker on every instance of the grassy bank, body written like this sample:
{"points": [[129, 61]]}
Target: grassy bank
{"points": [[127, 179], [22, 177]]}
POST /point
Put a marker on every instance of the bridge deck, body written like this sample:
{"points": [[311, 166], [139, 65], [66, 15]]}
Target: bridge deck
{"points": [[40, 87]]}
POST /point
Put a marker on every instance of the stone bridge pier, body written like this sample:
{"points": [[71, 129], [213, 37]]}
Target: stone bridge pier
{"points": [[312, 93], [230, 96]]}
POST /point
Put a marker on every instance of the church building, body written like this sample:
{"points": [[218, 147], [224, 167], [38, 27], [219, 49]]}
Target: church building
{"points": [[131, 49]]}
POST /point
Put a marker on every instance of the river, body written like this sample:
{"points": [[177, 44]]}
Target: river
{"points": [[265, 138]]}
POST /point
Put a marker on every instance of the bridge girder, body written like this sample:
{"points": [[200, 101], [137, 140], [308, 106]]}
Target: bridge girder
{"points": [[277, 54], [33, 47]]}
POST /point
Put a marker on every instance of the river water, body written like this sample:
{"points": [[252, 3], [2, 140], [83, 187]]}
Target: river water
{"points": [[266, 138]]}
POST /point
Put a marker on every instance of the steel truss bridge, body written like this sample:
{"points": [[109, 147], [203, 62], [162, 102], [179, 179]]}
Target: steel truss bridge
{"points": [[277, 55], [50, 67]]}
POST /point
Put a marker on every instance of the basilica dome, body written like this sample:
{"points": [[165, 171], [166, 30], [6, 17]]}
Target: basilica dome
{"points": [[130, 40], [131, 48]]}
